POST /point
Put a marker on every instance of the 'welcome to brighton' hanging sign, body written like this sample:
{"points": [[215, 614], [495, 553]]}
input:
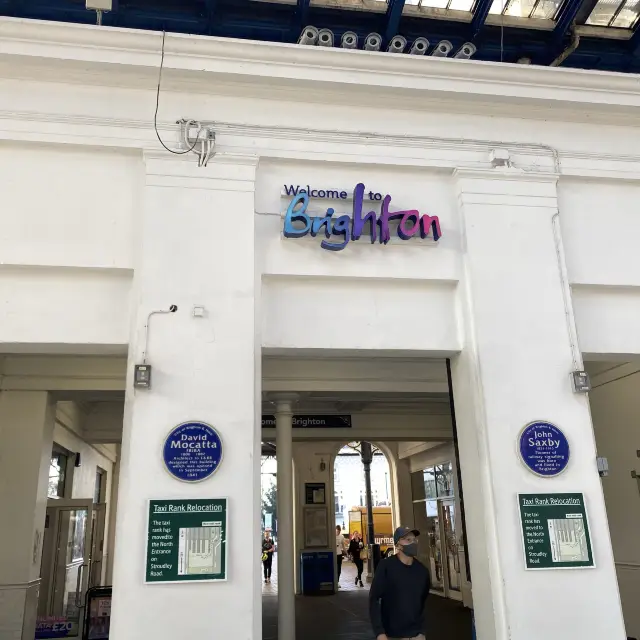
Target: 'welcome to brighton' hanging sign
{"points": [[298, 223]]}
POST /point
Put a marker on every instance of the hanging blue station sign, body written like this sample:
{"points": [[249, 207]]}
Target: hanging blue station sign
{"points": [[192, 451], [544, 449]]}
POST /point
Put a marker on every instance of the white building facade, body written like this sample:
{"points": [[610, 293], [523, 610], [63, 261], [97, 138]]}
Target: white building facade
{"points": [[532, 174]]}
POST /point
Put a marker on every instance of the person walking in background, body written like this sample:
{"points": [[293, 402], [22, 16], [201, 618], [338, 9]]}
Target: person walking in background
{"points": [[339, 551], [356, 546], [399, 591], [267, 556]]}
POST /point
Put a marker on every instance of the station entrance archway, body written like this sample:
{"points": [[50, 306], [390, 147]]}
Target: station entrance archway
{"points": [[403, 406]]}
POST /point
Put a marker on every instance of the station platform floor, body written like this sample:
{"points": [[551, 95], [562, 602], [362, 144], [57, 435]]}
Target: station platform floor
{"points": [[345, 615]]}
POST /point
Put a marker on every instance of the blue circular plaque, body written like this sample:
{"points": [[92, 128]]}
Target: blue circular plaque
{"points": [[192, 451], [544, 448]]}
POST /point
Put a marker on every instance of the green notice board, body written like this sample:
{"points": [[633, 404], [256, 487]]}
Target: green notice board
{"points": [[186, 540], [555, 531]]}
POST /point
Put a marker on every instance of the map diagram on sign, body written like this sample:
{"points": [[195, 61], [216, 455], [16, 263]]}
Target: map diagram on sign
{"points": [[568, 539], [200, 550]]}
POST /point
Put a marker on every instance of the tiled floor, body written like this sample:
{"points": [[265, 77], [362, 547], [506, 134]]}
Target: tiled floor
{"points": [[345, 616], [347, 579]]}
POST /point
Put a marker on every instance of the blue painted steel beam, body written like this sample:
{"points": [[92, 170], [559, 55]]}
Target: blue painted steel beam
{"points": [[300, 19], [302, 12], [392, 18], [480, 13], [211, 15]]}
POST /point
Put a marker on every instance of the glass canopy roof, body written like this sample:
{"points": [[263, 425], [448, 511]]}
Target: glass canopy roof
{"points": [[615, 13], [607, 13], [537, 9], [458, 5]]}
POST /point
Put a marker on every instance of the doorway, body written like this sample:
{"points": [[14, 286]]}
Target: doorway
{"points": [[71, 563]]}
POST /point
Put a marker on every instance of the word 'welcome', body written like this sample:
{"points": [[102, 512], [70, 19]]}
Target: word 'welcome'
{"points": [[297, 223]]}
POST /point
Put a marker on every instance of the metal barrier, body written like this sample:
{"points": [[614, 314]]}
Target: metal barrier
{"points": [[97, 614]]}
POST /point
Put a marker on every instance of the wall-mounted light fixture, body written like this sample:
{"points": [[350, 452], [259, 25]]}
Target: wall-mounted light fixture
{"points": [[325, 38], [373, 42], [349, 40], [397, 44], [419, 47], [465, 51], [309, 36], [443, 49]]}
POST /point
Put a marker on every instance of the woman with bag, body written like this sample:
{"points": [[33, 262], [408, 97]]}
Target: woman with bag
{"points": [[356, 546], [267, 556]]}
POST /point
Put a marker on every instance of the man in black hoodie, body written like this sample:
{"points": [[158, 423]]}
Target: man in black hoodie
{"points": [[399, 591]]}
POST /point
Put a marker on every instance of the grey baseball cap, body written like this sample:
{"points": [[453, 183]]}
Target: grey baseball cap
{"points": [[401, 532]]}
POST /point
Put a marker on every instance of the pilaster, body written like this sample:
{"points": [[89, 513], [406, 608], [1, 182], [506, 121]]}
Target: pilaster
{"points": [[26, 437], [195, 249], [514, 368]]}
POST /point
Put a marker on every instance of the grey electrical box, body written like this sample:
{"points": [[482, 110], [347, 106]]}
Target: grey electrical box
{"points": [[99, 5], [603, 467], [581, 382], [142, 376]]}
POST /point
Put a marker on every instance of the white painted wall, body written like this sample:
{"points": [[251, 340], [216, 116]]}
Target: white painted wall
{"points": [[615, 407], [67, 245], [88, 224]]}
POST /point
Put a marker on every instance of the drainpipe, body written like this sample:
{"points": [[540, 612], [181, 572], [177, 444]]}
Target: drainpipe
{"points": [[575, 41]]}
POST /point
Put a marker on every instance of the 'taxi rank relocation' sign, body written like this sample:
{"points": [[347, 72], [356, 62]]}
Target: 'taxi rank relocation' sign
{"points": [[298, 223]]}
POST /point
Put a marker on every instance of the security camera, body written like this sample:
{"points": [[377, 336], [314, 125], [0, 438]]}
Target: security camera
{"points": [[397, 44], [173, 308]]}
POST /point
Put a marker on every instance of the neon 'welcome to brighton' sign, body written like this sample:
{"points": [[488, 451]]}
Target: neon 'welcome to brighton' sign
{"points": [[298, 223]]}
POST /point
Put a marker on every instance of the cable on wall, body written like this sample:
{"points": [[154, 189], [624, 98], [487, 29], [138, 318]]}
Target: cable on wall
{"points": [[155, 115]]}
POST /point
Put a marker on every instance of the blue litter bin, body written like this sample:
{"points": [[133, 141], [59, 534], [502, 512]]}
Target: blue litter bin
{"points": [[316, 572]]}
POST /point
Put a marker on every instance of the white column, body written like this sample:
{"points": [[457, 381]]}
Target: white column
{"points": [[113, 516], [26, 435], [286, 553], [195, 247], [514, 368]]}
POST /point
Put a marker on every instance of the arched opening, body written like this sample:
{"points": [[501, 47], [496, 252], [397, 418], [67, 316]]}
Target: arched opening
{"points": [[351, 512]]}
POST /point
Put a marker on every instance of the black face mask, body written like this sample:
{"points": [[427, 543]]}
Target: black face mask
{"points": [[410, 549]]}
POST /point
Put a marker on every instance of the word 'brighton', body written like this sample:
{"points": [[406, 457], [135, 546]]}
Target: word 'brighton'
{"points": [[297, 223]]}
